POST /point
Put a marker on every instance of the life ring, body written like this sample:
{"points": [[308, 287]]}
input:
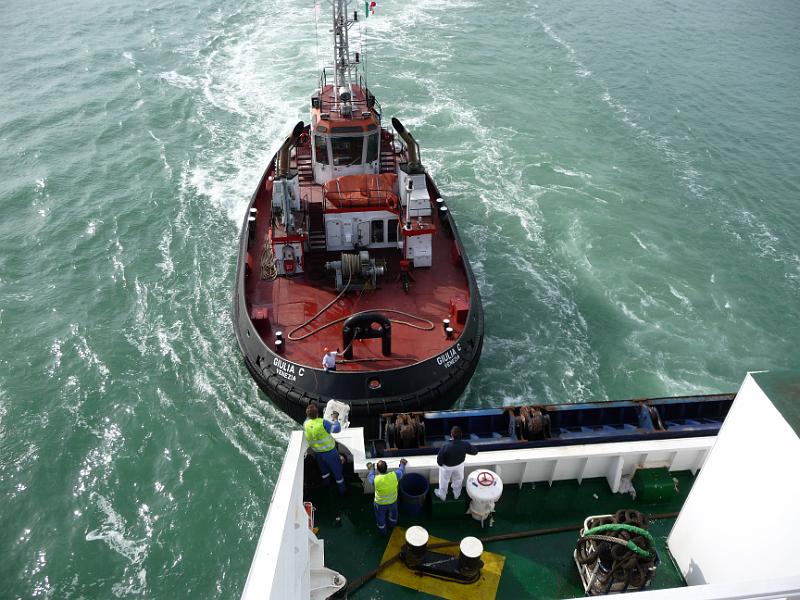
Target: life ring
{"points": [[392, 202]]}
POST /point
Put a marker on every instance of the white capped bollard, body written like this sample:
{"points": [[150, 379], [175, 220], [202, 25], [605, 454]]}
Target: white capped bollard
{"points": [[484, 487], [469, 557], [416, 545]]}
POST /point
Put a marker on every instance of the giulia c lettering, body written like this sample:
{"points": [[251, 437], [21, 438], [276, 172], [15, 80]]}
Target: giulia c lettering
{"points": [[287, 370], [449, 358]]}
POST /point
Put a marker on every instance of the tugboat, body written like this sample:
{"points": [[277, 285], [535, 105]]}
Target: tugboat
{"points": [[352, 283]]}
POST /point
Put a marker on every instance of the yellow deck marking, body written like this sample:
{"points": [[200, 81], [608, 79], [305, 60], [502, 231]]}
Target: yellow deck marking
{"points": [[485, 587]]}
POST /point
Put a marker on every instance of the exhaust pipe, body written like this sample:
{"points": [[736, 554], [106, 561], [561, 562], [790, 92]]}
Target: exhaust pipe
{"points": [[414, 163], [283, 153]]}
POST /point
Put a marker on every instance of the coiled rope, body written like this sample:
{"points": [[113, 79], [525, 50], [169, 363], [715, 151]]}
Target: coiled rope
{"points": [[627, 559], [268, 269]]}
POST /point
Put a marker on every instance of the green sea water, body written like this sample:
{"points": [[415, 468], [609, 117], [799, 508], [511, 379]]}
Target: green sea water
{"points": [[625, 178]]}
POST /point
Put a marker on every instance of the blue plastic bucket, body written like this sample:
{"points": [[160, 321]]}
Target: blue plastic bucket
{"points": [[413, 491]]}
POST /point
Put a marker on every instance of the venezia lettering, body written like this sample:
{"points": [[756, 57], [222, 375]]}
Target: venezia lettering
{"points": [[448, 359], [287, 370]]}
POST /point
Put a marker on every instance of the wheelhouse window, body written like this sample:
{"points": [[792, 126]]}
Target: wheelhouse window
{"points": [[372, 147], [391, 225], [376, 236], [347, 151], [321, 149]]}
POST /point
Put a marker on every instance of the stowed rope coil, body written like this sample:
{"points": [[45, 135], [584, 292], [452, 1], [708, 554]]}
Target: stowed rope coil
{"points": [[626, 559], [269, 271]]}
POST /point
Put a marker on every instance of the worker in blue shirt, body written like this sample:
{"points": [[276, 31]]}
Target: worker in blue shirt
{"points": [[386, 484], [336, 427], [318, 433]]}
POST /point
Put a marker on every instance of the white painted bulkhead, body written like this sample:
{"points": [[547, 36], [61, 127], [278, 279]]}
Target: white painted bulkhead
{"points": [[613, 461], [419, 248], [741, 520], [286, 192], [324, 146], [413, 192], [368, 229]]}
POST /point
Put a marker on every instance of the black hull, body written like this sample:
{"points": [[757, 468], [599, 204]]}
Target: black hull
{"points": [[432, 384]]}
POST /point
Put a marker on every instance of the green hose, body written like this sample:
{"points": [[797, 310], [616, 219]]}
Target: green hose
{"points": [[631, 544]]}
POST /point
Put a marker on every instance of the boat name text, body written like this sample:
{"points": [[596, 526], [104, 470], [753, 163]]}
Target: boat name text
{"points": [[449, 358], [287, 370]]}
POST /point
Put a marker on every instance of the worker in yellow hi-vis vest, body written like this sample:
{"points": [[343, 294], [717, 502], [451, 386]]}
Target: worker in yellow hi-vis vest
{"points": [[320, 440], [386, 484]]}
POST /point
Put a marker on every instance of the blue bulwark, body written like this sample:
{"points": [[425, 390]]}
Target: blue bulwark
{"points": [[585, 423]]}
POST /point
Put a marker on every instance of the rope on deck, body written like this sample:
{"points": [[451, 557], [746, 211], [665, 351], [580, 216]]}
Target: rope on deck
{"points": [[356, 584], [428, 327]]}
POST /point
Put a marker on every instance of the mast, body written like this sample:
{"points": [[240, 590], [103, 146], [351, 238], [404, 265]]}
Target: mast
{"points": [[342, 65]]}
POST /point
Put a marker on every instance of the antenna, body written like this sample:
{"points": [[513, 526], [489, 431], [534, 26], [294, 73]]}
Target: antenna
{"points": [[316, 30], [342, 65], [363, 35]]}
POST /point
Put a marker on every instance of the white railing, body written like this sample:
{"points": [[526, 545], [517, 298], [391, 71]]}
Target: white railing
{"points": [[289, 559], [613, 461], [280, 566]]}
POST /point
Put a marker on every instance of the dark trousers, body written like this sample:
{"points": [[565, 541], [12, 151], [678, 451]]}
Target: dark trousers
{"points": [[329, 463], [381, 512]]}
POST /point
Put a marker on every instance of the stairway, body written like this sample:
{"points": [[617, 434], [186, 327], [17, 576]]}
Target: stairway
{"points": [[304, 168], [315, 261], [388, 164]]}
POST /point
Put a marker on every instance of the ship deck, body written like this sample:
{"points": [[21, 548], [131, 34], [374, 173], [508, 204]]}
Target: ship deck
{"points": [[535, 567], [291, 301]]}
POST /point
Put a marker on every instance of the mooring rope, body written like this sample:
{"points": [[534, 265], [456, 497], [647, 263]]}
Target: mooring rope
{"points": [[357, 583], [428, 327]]}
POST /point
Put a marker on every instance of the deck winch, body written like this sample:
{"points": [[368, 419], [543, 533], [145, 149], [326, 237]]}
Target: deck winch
{"points": [[356, 271]]}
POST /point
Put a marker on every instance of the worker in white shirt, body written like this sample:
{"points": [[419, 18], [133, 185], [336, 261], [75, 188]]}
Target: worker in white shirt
{"points": [[329, 359]]}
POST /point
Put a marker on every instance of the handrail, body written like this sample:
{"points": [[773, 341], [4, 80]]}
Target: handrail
{"points": [[358, 106], [357, 198]]}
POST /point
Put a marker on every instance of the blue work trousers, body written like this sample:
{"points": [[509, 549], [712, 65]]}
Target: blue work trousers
{"points": [[381, 512], [329, 463]]}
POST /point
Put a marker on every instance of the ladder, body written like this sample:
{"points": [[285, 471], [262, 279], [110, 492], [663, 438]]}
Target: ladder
{"points": [[316, 237]]}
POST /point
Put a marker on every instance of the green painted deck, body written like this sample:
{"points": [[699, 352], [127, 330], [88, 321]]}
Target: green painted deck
{"points": [[536, 567]]}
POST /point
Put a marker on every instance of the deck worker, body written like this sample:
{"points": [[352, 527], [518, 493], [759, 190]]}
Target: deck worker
{"points": [[329, 359], [386, 484], [336, 426], [451, 460], [318, 434]]}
